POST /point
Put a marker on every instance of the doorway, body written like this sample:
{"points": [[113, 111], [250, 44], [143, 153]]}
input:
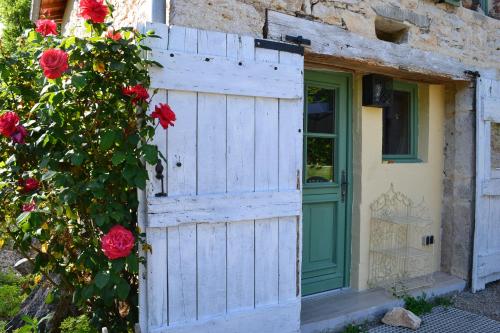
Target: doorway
{"points": [[326, 190]]}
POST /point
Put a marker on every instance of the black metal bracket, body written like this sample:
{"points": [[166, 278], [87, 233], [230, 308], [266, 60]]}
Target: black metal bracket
{"points": [[472, 73], [279, 46], [159, 175], [299, 40]]}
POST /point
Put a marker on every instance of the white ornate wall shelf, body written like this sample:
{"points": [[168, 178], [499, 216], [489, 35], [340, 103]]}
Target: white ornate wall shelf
{"points": [[401, 243]]}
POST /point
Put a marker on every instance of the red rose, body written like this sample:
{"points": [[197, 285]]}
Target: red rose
{"points": [[138, 93], [165, 114], [111, 34], [94, 10], [46, 27], [8, 123], [117, 243], [54, 63], [30, 184], [19, 135], [29, 207]]}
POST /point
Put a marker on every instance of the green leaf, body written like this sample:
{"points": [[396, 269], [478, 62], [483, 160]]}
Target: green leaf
{"points": [[23, 217], [122, 289], [101, 279], [118, 158], [150, 153], [88, 292], [48, 175], [79, 80], [100, 220], [50, 298], [140, 179], [77, 159], [107, 140]]}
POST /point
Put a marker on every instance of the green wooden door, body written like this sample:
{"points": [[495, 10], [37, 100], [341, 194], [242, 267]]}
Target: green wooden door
{"points": [[326, 173]]}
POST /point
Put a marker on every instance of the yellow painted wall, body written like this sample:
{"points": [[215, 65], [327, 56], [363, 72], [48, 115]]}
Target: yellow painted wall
{"points": [[372, 176]]}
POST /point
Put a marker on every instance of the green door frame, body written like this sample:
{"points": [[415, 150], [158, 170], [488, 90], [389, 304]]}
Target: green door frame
{"points": [[347, 78]]}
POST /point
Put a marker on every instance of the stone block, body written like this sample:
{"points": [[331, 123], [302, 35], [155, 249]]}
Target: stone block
{"points": [[401, 317], [327, 12], [403, 15]]}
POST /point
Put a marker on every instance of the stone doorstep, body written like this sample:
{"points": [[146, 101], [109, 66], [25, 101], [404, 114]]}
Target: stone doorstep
{"points": [[331, 312]]}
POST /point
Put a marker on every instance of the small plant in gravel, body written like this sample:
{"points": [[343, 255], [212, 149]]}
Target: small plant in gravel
{"points": [[351, 328], [418, 305]]}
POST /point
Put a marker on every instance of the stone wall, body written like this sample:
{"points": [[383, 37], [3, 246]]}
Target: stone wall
{"points": [[458, 32], [459, 180], [126, 13]]}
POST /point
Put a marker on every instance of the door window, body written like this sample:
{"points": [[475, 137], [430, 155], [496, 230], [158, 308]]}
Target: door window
{"points": [[320, 135]]}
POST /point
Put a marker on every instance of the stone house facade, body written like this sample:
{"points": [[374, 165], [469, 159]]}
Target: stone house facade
{"points": [[433, 51]]}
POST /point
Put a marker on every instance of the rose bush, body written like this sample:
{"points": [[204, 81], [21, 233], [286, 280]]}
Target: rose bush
{"points": [[75, 140]]}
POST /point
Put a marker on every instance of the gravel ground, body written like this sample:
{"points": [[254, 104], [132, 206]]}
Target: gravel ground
{"points": [[485, 302]]}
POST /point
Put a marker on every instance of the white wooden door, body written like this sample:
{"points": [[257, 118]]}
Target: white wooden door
{"points": [[226, 240], [486, 257]]}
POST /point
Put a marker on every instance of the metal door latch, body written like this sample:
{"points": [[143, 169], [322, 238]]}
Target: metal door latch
{"points": [[343, 186]]}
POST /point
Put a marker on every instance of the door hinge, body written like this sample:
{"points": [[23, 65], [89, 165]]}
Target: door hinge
{"points": [[279, 46]]}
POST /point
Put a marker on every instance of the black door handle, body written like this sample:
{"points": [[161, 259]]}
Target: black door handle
{"points": [[343, 185]]}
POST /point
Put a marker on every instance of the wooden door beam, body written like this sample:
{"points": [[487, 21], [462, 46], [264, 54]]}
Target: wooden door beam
{"points": [[336, 47]]}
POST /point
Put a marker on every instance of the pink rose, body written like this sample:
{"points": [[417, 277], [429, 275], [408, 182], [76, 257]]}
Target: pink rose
{"points": [[46, 27], [165, 114], [54, 63], [111, 34], [29, 207], [19, 135], [30, 184], [117, 243], [8, 123], [93, 10], [137, 92]]}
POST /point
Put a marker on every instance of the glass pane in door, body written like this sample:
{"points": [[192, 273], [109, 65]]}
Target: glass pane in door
{"points": [[320, 160], [320, 110]]}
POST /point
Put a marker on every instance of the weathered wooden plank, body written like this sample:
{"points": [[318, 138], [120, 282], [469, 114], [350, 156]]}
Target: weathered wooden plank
{"points": [[290, 173], [157, 277], [492, 109], [266, 262], [288, 256], [211, 261], [240, 48], [283, 318], [488, 263], [240, 143], [212, 43], [181, 166], [491, 187], [211, 169], [266, 133], [486, 251], [240, 265], [218, 74], [182, 296], [341, 44], [173, 211]]}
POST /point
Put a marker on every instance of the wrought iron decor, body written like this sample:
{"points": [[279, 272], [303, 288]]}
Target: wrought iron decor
{"points": [[401, 243]]}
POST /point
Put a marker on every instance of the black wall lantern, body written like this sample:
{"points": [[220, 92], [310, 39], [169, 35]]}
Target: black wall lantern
{"points": [[377, 90]]}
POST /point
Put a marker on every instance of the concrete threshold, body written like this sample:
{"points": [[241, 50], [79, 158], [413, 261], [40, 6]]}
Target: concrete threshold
{"points": [[331, 312]]}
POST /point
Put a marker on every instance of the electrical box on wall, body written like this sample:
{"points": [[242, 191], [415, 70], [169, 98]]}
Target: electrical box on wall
{"points": [[377, 90]]}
